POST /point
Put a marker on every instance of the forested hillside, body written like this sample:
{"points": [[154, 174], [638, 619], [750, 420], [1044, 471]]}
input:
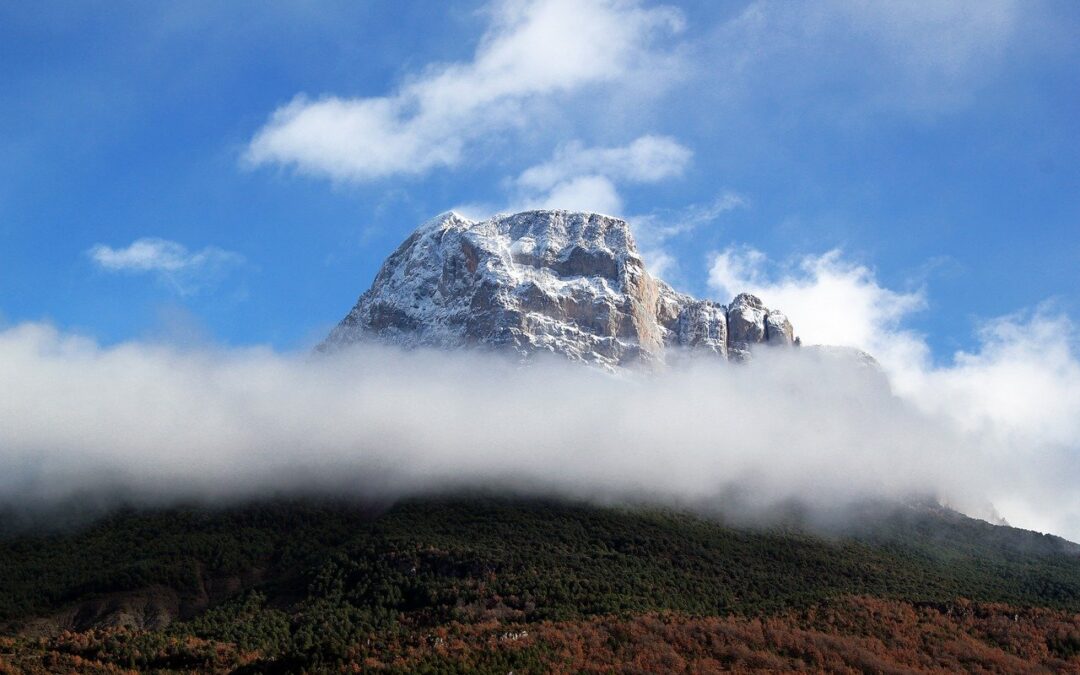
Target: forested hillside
{"points": [[505, 584]]}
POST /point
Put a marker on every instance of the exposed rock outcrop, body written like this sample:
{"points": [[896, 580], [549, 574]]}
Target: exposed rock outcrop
{"points": [[559, 282]]}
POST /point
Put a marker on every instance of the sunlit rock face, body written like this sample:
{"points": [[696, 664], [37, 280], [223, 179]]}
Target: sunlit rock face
{"points": [[559, 282]]}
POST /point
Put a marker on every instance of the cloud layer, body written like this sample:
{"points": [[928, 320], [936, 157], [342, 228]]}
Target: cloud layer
{"points": [[78, 416], [165, 424]]}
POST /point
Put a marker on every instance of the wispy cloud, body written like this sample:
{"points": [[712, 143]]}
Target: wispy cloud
{"points": [[852, 57], [183, 270], [531, 50], [654, 230]]}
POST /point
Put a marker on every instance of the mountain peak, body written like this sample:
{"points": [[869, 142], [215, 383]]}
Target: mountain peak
{"points": [[564, 282]]}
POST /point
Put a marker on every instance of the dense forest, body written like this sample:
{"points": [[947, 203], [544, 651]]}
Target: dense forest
{"points": [[491, 584]]}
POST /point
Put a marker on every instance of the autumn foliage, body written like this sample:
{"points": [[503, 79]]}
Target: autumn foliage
{"points": [[852, 634]]}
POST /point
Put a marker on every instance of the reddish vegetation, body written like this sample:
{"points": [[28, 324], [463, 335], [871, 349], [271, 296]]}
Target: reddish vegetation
{"points": [[851, 635]]}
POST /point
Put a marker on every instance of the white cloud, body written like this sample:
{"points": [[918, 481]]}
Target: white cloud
{"points": [[1024, 379], [531, 49], [1018, 391], [170, 261], [828, 299], [581, 193], [648, 159], [580, 178]]}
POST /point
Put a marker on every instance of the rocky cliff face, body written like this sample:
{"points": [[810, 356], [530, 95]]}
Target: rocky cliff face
{"points": [[562, 282]]}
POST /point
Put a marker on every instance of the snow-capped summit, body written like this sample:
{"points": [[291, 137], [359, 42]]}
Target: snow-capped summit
{"points": [[563, 282]]}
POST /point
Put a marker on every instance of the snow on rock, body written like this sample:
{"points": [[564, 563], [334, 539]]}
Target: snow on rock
{"points": [[559, 282], [778, 329]]}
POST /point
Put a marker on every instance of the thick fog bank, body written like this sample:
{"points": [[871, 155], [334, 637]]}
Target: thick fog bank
{"points": [[160, 424]]}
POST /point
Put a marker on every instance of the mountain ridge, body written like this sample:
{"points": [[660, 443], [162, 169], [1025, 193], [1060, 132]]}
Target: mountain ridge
{"points": [[547, 281]]}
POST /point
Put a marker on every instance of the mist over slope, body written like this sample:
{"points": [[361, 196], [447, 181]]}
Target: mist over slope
{"points": [[161, 424]]}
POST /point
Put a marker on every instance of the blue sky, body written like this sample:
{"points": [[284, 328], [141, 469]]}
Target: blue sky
{"points": [[931, 147]]}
